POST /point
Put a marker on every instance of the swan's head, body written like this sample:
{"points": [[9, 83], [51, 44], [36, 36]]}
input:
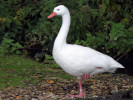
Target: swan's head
{"points": [[59, 10]]}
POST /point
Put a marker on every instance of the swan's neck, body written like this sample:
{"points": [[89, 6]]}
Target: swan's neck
{"points": [[60, 40]]}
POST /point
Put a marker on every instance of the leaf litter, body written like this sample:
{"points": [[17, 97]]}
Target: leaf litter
{"points": [[55, 88]]}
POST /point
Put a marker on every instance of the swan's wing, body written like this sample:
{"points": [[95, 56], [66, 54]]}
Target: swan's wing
{"points": [[86, 56]]}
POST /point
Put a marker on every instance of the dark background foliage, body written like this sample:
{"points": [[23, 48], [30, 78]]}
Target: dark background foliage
{"points": [[105, 25]]}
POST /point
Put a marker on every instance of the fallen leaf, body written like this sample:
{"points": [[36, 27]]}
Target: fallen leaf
{"points": [[18, 97], [50, 81], [51, 89], [55, 93]]}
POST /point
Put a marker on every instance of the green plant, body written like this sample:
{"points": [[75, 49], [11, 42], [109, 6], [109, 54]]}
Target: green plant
{"points": [[107, 26], [117, 41], [93, 24], [9, 47], [121, 38], [21, 71]]}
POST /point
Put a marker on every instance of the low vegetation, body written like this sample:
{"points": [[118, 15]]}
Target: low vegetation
{"points": [[105, 25], [21, 71]]}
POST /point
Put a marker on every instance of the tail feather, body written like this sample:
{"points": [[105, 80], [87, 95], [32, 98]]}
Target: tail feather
{"points": [[114, 67], [117, 66]]}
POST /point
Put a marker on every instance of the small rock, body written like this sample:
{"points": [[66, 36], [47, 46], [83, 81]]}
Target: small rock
{"points": [[72, 92], [52, 96], [26, 97], [34, 99], [41, 98], [38, 92], [21, 90], [44, 93]]}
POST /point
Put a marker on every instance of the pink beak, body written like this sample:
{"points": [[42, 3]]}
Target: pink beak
{"points": [[52, 15]]}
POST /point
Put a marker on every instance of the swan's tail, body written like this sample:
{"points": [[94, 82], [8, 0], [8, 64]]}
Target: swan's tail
{"points": [[117, 65], [114, 67]]}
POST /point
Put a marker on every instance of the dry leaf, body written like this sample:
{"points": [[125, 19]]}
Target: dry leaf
{"points": [[18, 97], [51, 89], [50, 81], [55, 93]]}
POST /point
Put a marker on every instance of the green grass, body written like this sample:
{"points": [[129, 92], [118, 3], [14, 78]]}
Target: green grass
{"points": [[21, 71]]}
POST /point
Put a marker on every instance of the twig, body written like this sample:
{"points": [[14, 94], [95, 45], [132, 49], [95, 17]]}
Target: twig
{"points": [[121, 56]]}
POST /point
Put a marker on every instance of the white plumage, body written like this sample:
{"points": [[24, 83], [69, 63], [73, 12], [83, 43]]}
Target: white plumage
{"points": [[75, 59]]}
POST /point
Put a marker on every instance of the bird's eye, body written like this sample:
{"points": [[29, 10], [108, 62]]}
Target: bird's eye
{"points": [[58, 9]]}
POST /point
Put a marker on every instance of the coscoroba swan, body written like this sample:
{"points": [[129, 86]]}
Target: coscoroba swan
{"points": [[77, 60]]}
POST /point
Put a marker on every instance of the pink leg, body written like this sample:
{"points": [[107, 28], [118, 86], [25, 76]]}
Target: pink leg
{"points": [[81, 94], [86, 76]]}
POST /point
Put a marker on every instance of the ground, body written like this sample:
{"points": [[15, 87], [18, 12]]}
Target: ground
{"points": [[25, 79]]}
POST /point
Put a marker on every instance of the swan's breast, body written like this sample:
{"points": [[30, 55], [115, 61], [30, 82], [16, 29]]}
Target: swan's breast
{"points": [[67, 61]]}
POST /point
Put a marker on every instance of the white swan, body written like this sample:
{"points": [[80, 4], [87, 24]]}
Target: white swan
{"points": [[78, 60]]}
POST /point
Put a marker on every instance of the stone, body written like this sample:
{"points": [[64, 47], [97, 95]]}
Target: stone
{"points": [[72, 92], [26, 97], [41, 98], [34, 99]]}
